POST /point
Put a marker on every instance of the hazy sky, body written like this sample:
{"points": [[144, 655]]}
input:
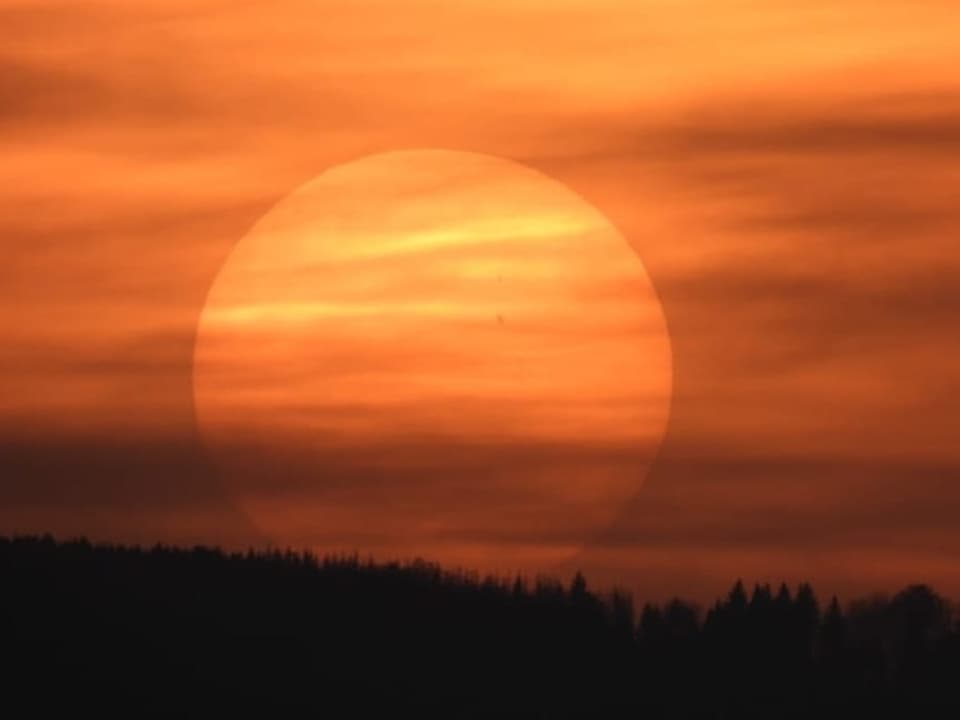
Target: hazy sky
{"points": [[789, 173]]}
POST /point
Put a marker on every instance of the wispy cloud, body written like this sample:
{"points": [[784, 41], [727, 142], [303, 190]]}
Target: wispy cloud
{"points": [[786, 170]]}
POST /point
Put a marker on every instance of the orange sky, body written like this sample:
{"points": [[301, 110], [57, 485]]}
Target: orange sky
{"points": [[787, 171]]}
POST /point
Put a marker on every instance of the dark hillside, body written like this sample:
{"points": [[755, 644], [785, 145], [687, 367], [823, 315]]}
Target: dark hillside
{"points": [[167, 632]]}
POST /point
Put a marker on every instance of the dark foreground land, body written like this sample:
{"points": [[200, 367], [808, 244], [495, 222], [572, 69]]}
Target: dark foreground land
{"points": [[94, 631]]}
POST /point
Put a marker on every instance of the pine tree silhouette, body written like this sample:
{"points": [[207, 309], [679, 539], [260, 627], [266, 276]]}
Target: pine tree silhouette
{"points": [[98, 629]]}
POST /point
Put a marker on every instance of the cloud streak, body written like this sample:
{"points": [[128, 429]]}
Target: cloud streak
{"points": [[789, 182]]}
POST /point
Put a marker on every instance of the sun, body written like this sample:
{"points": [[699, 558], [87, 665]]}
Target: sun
{"points": [[433, 353]]}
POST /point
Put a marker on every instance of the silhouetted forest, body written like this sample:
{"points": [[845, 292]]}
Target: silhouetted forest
{"points": [[167, 632]]}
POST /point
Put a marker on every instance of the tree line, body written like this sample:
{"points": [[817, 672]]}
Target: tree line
{"points": [[164, 631]]}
